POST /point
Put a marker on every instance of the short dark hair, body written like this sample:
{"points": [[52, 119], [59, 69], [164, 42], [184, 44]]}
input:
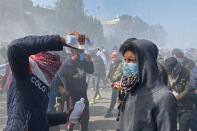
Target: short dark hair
{"points": [[128, 45]]}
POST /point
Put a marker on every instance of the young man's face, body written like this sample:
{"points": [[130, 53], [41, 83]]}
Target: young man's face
{"points": [[74, 54], [77, 54], [130, 57]]}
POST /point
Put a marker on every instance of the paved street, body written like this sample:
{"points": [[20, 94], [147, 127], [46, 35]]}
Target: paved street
{"points": [[97, 111]]}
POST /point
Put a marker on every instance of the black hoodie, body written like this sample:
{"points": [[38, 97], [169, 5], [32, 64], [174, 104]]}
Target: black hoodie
{"points": [[27, 98], [151, 107]]}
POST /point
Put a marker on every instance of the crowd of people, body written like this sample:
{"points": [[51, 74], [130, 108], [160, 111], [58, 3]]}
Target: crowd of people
{"points": [[155, 89]]}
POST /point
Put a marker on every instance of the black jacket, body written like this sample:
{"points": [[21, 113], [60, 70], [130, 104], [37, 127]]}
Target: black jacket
{"points": [[182, 88], [28, 95], [151, 107], [99, 66], [188, 63], [72, 75]]}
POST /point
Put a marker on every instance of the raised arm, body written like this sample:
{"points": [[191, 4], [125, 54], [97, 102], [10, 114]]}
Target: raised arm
{"points": [[20, 49]]}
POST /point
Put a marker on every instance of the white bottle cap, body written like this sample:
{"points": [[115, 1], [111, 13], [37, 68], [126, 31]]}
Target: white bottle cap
{"points": [[82, 100]]}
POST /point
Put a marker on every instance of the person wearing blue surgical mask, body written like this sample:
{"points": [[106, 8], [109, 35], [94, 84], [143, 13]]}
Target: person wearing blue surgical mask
{"points": [[130, 69], [130, 76], [145, 103], [130, 66]]}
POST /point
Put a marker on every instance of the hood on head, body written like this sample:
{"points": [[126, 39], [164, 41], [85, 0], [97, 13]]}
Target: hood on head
{"points": [[147, 53]]}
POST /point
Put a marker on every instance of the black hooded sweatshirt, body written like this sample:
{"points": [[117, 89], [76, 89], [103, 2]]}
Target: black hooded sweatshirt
{"points": [[151, 107], [27, 98]]}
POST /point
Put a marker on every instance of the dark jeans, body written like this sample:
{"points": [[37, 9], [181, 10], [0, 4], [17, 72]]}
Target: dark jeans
{"points": [[184, 119], [113, 100], [194, 119], [32, 118]]}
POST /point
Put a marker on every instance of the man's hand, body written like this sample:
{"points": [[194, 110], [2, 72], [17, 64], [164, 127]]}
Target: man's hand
{"points": [[62, 91], [116, 85], [69, 112], [68, 41], [81, 38], [195, 91], [71, 40], [88, 57]]}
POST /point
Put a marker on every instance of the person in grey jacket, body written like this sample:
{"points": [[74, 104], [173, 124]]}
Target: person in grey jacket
{"points": [[146, 104]]}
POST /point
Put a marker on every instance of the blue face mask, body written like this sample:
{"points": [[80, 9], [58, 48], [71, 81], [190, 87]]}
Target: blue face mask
{"points": [[130, 69]]}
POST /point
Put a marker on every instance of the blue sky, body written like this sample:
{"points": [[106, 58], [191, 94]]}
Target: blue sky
{"points": [[179, 17]]}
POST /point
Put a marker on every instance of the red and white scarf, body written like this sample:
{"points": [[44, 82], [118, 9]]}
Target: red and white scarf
{"points": [[48, 63]]}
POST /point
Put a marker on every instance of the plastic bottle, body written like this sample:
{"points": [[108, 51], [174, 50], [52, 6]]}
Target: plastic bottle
{"points": [[77, 111]]}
